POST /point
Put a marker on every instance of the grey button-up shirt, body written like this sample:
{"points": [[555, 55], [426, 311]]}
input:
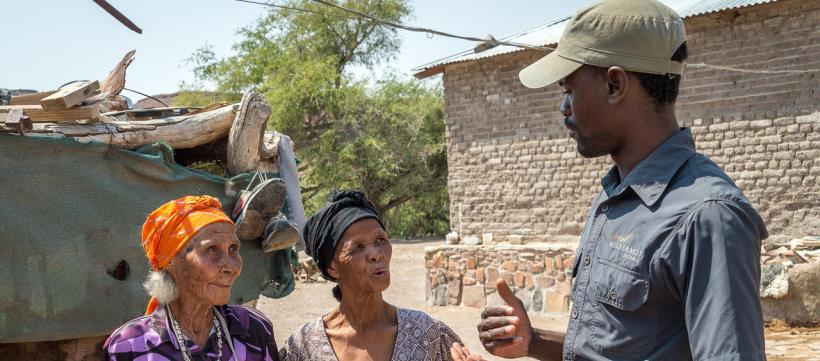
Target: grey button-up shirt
{"points": [[668, 266]]}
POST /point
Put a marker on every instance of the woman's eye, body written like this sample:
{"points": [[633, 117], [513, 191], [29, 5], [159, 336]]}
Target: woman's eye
{"points": [[212, 249], [234, 248]]}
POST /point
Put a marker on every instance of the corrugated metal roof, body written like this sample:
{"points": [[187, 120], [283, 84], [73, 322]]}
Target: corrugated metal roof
{"points": [[549, 33]]}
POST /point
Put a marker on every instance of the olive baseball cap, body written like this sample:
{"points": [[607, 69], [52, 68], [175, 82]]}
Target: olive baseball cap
{"points": [[637, 35]]}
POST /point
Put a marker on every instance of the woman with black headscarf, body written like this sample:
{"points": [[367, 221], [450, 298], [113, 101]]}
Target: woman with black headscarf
{"points": [[348, 242]]}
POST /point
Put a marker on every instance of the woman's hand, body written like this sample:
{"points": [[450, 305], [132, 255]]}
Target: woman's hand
{"points": [[505, 331], [461, 353]]}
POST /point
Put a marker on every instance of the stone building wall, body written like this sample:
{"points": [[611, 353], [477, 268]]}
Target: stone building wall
{"points": [[515, 175], [540, 275]]}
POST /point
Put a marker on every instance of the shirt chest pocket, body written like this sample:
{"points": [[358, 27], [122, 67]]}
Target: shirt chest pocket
{"points": [[624, 324]]}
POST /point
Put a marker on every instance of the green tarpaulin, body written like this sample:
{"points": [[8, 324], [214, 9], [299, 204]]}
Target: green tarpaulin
{"points": [[70, 220]]}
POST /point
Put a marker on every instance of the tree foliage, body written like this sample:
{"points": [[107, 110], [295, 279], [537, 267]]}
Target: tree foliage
{"points": [[384, 136]]}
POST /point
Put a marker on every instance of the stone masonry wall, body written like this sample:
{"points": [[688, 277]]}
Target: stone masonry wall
{"points": [[514, 173], [540, 275]]}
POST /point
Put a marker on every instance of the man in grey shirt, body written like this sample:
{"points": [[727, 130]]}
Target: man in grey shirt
{"points": [[668, 264]]}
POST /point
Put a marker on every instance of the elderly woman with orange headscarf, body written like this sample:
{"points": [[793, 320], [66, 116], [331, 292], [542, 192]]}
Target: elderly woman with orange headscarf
{"points": [[194, 252]]}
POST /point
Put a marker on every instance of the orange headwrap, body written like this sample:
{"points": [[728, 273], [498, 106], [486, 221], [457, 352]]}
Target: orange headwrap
{"points": [[169, 228]]}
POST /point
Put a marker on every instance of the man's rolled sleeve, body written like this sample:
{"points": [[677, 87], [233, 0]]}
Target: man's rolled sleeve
{"points": [[713, 260]]}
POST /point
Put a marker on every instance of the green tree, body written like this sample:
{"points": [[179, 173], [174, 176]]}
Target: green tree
{"points": [[384, 136]]}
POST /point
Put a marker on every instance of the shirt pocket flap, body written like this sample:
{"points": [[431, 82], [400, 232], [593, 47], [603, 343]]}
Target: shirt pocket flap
{"points": [[620, 287]]}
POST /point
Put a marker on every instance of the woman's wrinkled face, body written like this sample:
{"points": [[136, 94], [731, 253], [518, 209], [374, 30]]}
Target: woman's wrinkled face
{"points": [[208, 265], [362, 259]]}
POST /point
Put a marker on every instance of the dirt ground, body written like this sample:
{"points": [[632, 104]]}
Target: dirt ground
{"points": [[312, 300]]}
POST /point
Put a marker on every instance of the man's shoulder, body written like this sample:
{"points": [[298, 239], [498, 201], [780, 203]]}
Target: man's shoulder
{"points": [[700, 178]]}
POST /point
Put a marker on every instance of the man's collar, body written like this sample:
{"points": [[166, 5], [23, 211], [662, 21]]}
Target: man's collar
{"points": [[651, 176]]}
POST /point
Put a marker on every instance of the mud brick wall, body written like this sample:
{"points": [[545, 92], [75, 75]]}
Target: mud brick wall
{"points": [[540, 275], [515, 174]]}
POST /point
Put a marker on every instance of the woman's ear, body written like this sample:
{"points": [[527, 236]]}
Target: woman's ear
{"points": [[331, 269], [618, 83]]}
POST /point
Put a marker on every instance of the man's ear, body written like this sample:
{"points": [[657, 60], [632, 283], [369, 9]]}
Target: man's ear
{"points": [[618, 83]]}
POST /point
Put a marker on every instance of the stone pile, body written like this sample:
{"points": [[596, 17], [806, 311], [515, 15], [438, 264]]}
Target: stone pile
{"points": [[796, 251], [465, 275]]}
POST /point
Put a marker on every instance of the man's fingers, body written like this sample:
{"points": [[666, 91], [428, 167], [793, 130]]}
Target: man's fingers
{"points": [[497, 322], [505, 292], [497, 333], [495, 345], [495, 311]]}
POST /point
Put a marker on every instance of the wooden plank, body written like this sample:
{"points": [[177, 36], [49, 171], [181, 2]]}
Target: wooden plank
{"points": [[30, 99], [38, 115], [70, 95]]}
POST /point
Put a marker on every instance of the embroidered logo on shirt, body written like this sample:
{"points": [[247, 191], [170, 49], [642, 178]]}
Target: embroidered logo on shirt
{"points": [[627, 252]]}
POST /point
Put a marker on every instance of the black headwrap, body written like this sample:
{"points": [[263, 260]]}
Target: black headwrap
{"points": [[324, 229]]}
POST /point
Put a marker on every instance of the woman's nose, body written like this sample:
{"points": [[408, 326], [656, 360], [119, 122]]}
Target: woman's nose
{"points": [[375, 254]]}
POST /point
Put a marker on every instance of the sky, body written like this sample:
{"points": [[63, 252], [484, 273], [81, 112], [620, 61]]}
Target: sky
{"points": [[48, 43]]}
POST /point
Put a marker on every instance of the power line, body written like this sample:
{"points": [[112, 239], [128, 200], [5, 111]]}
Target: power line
{"points": [[490, 42], [752, 71]]}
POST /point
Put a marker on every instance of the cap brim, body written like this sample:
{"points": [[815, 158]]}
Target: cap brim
{"points": [[547, 70]]}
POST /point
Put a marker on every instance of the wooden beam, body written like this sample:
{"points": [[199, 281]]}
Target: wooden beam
{"points": [[38, 115], [245, 138], [70, 95], [30, 99]]}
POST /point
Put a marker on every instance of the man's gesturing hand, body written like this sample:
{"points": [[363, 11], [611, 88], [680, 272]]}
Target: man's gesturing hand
{"points": [[505, 331]]}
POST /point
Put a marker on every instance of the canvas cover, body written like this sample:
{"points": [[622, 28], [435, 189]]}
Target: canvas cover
{"points": [[70, 222]]}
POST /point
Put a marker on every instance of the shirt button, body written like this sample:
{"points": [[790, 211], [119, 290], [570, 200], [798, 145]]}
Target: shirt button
{"points": [[587, 261], [613, 296], [604, 208], [574, 313]]}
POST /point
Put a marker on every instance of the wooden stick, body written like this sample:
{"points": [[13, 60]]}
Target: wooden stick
{"points": [[30, 99], [70, 95], [180, 132], [38, 115]]}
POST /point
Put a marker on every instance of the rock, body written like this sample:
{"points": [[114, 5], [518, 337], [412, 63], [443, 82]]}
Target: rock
{"points": [[508, 277], [470, 262], [510, 266], [535, 267], [454, 292], [774, 281], [560, 276], [525, 296], [471, 240], [528, 283], [440, 296], [492, 298], [554, 302], [473, 296], [569, 262], [515, 239], [492, 277], [451, 238], [537, 300], [801, 306], [544, 281], [468, 281], [487, 238], [549, 265], [479, 275], [519, 279]]}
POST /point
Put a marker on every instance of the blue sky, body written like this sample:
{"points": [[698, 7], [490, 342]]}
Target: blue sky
{"points": [[50, 42]]}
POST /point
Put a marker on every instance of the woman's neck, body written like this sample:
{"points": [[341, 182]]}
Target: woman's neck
{"points": [[364, 312], [195, 318]]}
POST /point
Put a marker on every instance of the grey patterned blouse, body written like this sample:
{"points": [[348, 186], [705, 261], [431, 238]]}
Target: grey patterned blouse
{"points": [[419, 338]]}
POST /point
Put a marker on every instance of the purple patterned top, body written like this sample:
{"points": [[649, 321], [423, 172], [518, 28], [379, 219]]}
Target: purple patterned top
{"points": [[150, 338]]}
